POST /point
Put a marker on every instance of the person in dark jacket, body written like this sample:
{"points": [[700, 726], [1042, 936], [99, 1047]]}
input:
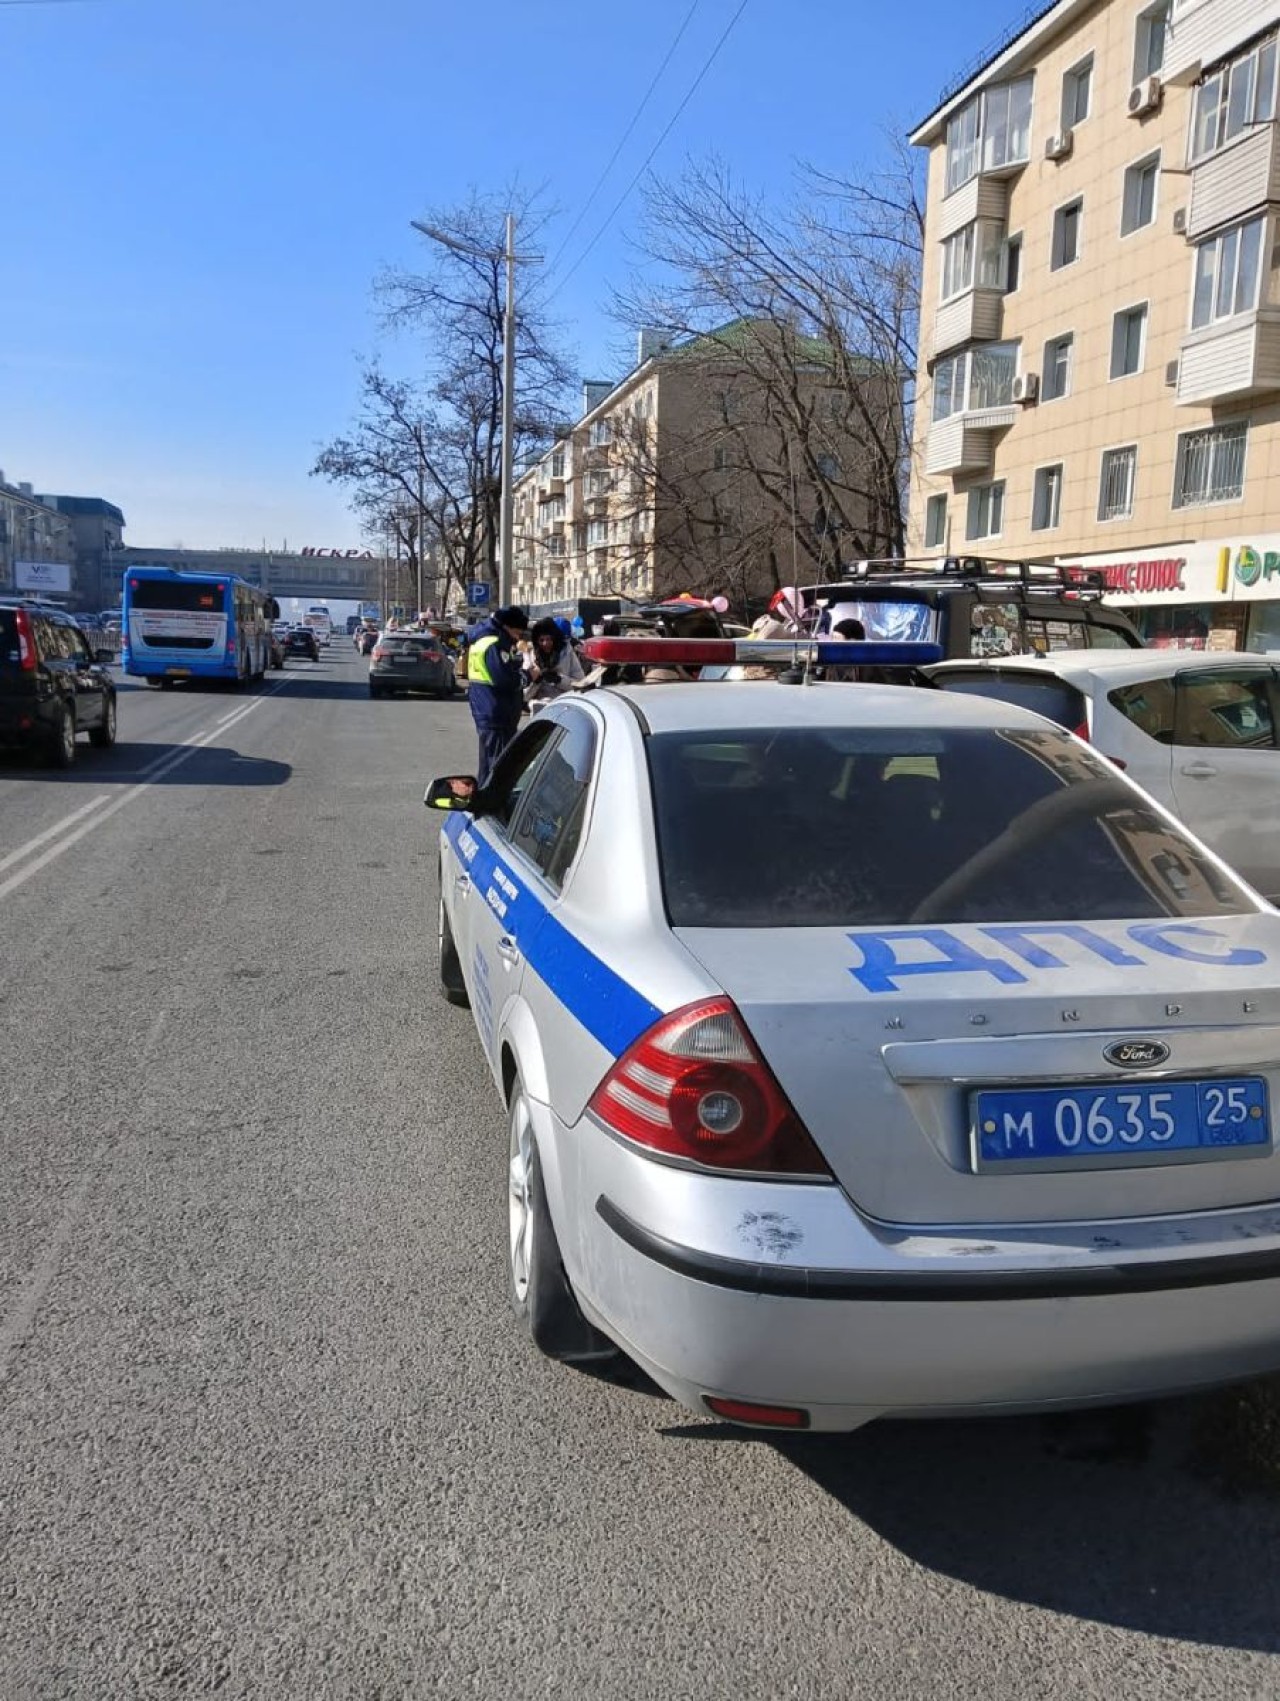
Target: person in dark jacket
{"points": [[495, 683]]}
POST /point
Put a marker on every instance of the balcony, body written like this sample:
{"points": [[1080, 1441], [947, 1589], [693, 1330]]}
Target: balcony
{"points": [[550, 489], [1203, 31], [979, 198], [974, 315], [965, 443], [1239, 180], [1236, 358]]}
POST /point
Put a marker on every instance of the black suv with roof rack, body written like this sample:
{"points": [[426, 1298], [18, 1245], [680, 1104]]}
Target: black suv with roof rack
{"points": [[53, 684], [978, 606]]}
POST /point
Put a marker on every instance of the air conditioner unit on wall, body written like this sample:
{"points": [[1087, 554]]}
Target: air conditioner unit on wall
{"points": [[1026, 386], [1180, 221], [1144, 97], [1058, 147], [1171, 372]]}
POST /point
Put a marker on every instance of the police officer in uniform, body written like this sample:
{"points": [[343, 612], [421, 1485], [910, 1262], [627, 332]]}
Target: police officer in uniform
{"points": [[495, 683]]}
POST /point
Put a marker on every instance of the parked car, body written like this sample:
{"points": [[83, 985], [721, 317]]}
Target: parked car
{"points": [[865, 1051], [366, 640], [53, 684], [977, 607], [302, 641], [1198, 730], [410, 661]]}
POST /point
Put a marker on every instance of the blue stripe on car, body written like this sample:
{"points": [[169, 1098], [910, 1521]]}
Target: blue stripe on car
{"points": [[606, 1005]]}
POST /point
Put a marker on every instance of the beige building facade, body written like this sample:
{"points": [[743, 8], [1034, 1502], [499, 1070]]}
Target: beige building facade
{"points": [[1099, 381], [688, 476]]}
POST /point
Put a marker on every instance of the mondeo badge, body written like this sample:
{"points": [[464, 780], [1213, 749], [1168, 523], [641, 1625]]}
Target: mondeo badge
{"points": [[1136, 1054]]}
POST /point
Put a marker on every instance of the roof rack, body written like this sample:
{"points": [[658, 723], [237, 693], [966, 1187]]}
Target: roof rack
{"points": [[1029, 576]]}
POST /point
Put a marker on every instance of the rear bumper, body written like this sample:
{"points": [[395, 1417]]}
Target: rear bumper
{"points": [[784, 1293], [854, 1348]]}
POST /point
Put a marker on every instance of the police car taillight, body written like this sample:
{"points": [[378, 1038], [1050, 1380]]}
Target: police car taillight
{"points": [[695, 1087]]}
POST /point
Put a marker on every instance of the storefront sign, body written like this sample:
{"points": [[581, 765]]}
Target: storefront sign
{"points": [[1132, 577], [1251, 566], [339, 554], [50, 577]]}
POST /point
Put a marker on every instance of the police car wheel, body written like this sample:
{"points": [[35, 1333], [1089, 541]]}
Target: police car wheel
{"points": [[540, 1293], [451, 982]]}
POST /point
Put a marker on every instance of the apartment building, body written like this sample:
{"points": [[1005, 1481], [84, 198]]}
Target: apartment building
{"points": [[37, 546], [1099, 379], [689, 475]]}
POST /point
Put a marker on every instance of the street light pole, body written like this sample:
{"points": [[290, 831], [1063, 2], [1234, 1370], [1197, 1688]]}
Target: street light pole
{"points": [[508, 418], [507, 494]]}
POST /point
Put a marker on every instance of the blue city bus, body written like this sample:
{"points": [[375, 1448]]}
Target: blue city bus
{"points": [[194, 626]]}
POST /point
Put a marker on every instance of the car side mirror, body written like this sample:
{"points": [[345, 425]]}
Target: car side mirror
{"points": [[455, 791]]}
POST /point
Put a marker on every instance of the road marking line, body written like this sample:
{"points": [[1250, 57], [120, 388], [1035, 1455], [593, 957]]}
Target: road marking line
{"points": [[157, 771], [51, 832]]}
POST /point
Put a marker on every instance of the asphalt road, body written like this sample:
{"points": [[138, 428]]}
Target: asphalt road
{"points": [[266, 1426]]}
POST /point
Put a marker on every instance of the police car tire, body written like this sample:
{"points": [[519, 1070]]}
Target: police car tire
{"points": [[547, 1308], [452, 983]]}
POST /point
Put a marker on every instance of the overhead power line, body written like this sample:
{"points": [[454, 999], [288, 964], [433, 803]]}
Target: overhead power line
{"points": [[626, 136], [649, 157]]}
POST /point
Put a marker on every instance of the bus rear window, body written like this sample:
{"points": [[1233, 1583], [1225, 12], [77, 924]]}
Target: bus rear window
{"points": [[173, 594]]}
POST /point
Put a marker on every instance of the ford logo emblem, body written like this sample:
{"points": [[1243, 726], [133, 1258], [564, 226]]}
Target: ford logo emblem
{"points": [[1136, 1054]]}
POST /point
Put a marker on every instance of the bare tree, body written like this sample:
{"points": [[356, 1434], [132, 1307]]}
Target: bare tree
{"points": [[424, 459], [804, 323]]}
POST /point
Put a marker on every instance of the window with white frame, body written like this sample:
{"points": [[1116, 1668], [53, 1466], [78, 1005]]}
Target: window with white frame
{"points": [[1115, 486], [1149, 40], [1234, 97], [1138, 203], [972, 257], [985, 517], [597, 533], [597, 483], [601, 432], [935, 522], [990, 132], [1228, 273], [1076, 87], [557, 464], [1055, 377], [975, 378], [1128, 341], [1210, 465], [1046, 498], [1065, 249]]}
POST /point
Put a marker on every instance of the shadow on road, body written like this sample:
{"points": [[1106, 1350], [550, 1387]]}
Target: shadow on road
{"points": [[1137, 1517], [131, 764]]}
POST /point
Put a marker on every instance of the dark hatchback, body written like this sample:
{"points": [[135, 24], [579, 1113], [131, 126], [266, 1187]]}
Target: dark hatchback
{"points": [[53, 684], [410, 661], [302, 641]]}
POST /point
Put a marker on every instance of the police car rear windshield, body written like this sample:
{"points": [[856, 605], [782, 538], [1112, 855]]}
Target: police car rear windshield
{"points": [[845, 827]]}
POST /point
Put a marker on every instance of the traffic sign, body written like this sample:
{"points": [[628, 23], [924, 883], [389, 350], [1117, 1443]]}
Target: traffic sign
{"points": [[478, 595]]}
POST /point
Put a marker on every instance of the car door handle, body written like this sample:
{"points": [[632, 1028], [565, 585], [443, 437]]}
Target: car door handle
{"points": [[508, 950], [1199, 770], [462, 883]]}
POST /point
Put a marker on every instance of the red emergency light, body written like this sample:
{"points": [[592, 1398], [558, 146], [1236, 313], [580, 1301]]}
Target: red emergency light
{"points": [[778, 652]]}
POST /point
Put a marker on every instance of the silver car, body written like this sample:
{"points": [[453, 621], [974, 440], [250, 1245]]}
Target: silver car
{"points": [[866, 1051]]}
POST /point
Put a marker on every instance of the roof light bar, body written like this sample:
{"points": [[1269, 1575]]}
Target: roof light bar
{"points": [[781, 652]]}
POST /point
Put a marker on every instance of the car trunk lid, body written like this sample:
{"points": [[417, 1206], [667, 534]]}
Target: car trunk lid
{"points": [[881, 1037]]}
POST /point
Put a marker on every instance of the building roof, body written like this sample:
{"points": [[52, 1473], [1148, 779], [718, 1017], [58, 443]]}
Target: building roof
{"points": [[85, 505], [1018, 45]]}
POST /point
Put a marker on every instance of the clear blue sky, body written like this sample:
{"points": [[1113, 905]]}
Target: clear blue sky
{"points": [[198, 194]]}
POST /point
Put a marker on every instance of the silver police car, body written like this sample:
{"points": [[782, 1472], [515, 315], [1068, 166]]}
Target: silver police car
{"points": [[866, 1051]]}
